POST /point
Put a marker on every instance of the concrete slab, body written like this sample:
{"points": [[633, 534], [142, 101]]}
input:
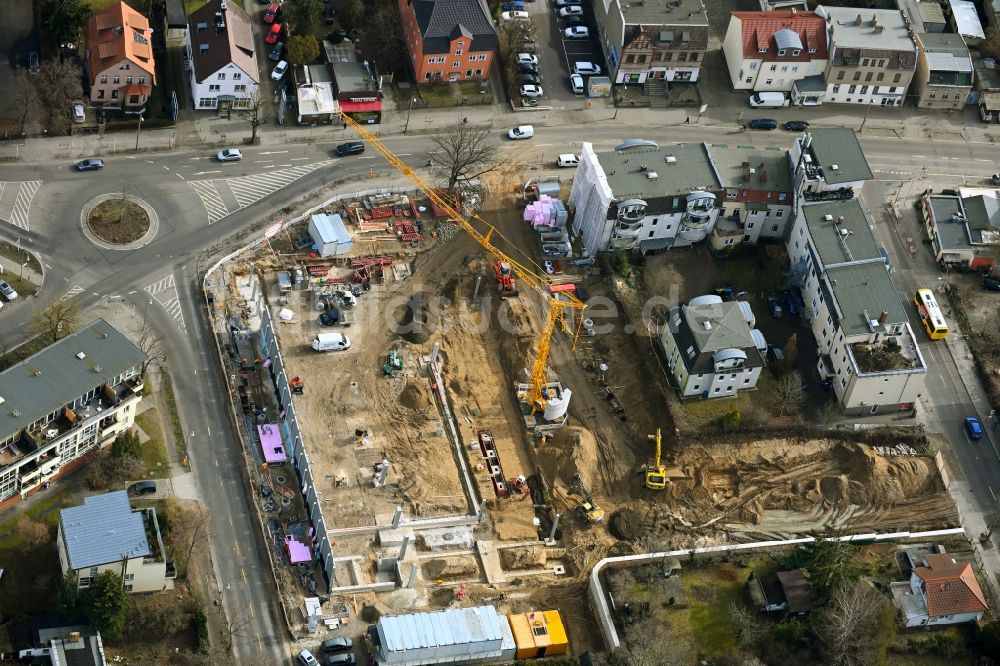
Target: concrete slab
{"points": [[489, 555], [184, 487], [451, 538]]}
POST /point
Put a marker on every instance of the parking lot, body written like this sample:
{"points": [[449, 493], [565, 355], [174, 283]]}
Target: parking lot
{"points": [[556, 55]]}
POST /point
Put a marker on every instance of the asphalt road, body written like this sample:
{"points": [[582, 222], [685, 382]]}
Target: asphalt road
{"points": [[160, 278]]}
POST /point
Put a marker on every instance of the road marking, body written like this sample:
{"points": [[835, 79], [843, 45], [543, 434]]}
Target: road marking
{"points": [[260, 644], [298, 159], [244, 574], [250, 606], [170, 298], [165, 167], [202, 173], [181, 177], [21, 205], [273, 152], [76, 289], [261, 161]]}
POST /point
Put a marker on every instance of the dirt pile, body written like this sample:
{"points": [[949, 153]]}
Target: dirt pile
{"points": [[572, 451], [530, 557], [415, 395], [450, 568]]}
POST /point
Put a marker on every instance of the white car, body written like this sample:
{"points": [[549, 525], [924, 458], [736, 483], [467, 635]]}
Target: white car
{"points": [[279, 70], [79, 114], [7, 290], [568, 160], [577, 32], [527, 58], [576, 83], [573, 10], [514, 16], [550, 268], [521, 132], [531, 90], [229, 155]]}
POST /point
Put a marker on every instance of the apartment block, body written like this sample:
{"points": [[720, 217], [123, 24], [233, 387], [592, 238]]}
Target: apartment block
{"points": [[943, 79]]}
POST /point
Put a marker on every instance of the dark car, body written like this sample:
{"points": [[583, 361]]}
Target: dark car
{"points": [[333, 317], [92, 164], [791, 303], [527, 68], [529, 78], [991, 284], [277, 52], [142, 488], [344, 658], [763, 124], [339, 644], [796, 125], [350, 148], [973, 428], [774, 307], [329, 12], [572, 20]]}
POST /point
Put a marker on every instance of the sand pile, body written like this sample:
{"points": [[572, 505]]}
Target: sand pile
{"points": [[572, 451], [531, 557], [415, 395], [450, 568]]}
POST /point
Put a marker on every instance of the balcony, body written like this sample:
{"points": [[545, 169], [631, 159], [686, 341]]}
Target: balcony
{"points": [[619, 243]]}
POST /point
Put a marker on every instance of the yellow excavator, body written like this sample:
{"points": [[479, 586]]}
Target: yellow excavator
{"points": [[587, 507], [656, 471]]}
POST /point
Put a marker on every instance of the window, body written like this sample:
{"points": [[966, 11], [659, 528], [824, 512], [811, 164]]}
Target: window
{"points": [[456, 65], [768, 82], [717, 389], [668, 56], [774, 227], [458, 52], [864, 63], [479, 72], [240, 88], [795, 52], [750, 225], [692, 57], [697, 387], [932, 94], [222, 76], [236, 76], [881, 75], [779, 212], [682, 57], [214, 88], [129, 577], [104, 78], [764, 50], [640, 59], [753, 66], [944, 94], [774, 68], [117, 79], [843, 383], [206, 103], [133, 99], [468, 73], [851, 89], [746, 381], [864, 90], [857, 76], [652, 231], [840, 75], [84, 583], [128, 588], [114, 94], [100, 94], [781, 52], [93, 571], [896, 78], [868, 76], [629, 59], [836, 89]]}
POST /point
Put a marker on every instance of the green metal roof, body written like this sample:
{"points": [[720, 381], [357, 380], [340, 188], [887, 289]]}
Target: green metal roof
{"points": [[838, 146], [829, 239], [690, 169], [862, 292], [57, 375]]}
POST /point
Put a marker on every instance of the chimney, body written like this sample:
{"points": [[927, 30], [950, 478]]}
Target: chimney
{"points": [[74, 637], [857, 21], [879, 29]]}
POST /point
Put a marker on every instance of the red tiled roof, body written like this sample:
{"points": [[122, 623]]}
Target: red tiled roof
{"points": [[118, 33], [758, 28], [950, 588]]}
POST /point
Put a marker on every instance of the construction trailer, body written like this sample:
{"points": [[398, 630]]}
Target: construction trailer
{"points": [[453, 636], [538, 634], [329, 235]]}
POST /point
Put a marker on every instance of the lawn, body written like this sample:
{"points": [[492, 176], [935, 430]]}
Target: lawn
{"points": [[154, 452], [17, 257], [440, 94]]}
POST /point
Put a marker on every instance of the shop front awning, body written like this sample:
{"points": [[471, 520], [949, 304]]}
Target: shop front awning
{"points": [[347, 106]]}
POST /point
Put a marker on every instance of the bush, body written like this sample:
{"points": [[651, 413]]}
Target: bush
{"points": [[200, 623], [730, 420], [126, 445], [942, 644]]}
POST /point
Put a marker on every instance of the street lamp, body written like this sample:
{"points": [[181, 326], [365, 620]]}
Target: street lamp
{"points": [[408, 110], [617, 106], [137, 130]]}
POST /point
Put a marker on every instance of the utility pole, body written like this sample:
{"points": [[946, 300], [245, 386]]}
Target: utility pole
{"points": [[137, 130], [408, 110]]}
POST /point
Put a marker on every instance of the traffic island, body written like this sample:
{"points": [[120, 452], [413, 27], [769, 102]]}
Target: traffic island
{"points": [[115, 222]]}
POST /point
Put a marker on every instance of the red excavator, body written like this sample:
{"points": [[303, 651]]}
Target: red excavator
{"points": [[505, 279]]}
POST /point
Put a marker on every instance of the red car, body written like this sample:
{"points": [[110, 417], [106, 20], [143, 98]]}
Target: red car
{"points": [[274, 34], [271, 12]]}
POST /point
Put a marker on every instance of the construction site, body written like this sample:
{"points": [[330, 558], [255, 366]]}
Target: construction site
{"points": [[433, 419]]}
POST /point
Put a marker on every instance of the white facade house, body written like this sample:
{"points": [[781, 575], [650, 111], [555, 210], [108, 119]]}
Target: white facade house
{"points": [[106, 534], [643, 197], [221, 57], [63, 404], [941, 591], [867, 350], [771, 51], [709, 348], [828, 165]]}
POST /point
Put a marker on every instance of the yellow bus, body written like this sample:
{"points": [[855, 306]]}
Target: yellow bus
{"points": [[930, 314]]}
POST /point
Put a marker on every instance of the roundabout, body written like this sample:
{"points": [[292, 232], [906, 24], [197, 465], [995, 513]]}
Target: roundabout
{"points": [[116, 222]]}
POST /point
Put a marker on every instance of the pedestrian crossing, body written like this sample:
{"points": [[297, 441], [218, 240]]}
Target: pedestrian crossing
{"points": [[15, 201], [161, 285], [165, 292], [76, 289], [244, 191]]}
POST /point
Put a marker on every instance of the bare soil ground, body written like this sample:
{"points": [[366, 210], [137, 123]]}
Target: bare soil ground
{"points": [[978, 313], [114, 223]]}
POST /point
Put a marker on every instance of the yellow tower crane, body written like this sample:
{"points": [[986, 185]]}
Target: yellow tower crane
{"points": [[656, 471], [558, 303]]}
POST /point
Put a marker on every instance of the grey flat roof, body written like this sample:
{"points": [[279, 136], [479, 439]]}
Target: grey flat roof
{"points": [[692, 170], [814, 83], [952, 235], [727, 327], [946, 52], [967, 18], [839, 146], [988, 77], [55, 376], [103, 529], [351, 77], [864, 288], [664, 12], [847, 34], [833, 246], [729, 163]]}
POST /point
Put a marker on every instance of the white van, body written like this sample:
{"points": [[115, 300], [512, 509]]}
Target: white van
{"points": [[331, 342], [768, 100], [586, 68]]}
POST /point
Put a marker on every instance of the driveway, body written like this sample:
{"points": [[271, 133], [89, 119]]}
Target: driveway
{"points": [[557, 55]]}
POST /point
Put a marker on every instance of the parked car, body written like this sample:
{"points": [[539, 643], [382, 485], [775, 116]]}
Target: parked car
{"points": [[229, 155], [586, 68], [796, 125], [272, 12], [991, 284], [530, 90], [333, 317], [995, 179], [577, 32], [791, 303], [527, 58], [513, 6], [572, 10], [521, 132], [329, 13], [79, 113], [142, 488], [568, 160], [277, 52], [576, 83], [91, 164], [774, 307], [567, 3], [527, 68], [33, 64], [279, 71], [514, 16], [529, 78], [763, 124], [274, 34], [973, 428], [339, 644], [342, 659], [7, 290], [350, 148], [307, 659], [573, 20]]}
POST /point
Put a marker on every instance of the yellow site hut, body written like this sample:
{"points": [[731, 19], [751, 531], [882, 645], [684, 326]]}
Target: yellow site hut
{"points": [[538, 634]]}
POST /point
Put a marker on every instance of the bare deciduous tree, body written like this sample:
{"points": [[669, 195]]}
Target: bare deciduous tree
{"points": [[58, 85], [24, 98], [189, 529], [32, 532], [254, 113], [465, 153], [857, 625], [150, 341], [233, 627], [749, 626], [644, 646], [789, 393], [57, 319]]}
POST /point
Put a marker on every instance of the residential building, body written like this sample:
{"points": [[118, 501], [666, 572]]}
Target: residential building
{"points": [[786, 593], [358, 88], [866, 348], [965, 21], [106, 534], [987, 87], [653, 42], [40, 636], [63, 404], [757, 197], [942, 589], [943, 79], [644, 198], [828, 165], [963, 230], [872, 56], [315, 99], [120, 63], [448, 40], [923, 15], [221, 57], [772, 51], [710, 349]]}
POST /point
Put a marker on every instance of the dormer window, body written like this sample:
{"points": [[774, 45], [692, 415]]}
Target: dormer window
{"points": [[796, 52], [812, 50], [781, 52], [764, 50]]}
